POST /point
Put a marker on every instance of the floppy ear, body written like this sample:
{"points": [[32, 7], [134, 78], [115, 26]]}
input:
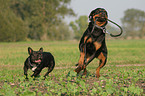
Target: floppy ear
{"points": [[30, 50], [41, 49]]}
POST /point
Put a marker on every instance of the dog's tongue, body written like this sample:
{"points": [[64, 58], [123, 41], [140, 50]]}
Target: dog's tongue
{"points": [[38, 61]]}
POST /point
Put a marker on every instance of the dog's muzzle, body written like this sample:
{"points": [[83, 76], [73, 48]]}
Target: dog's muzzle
{"points": [[100, 19]]}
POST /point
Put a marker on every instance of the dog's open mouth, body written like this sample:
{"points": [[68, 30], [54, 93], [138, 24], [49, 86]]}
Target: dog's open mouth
{"points": [[38, 61]]}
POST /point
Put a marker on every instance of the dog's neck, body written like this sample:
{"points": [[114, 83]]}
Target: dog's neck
{"points": [[103, 28]]}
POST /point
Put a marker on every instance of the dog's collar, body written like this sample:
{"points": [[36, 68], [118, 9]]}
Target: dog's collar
{"points": [[30, 62], [102, 28]]}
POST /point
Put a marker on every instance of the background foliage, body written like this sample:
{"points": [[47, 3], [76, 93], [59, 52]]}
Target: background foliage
{"points": [[34, 19], [22, 20], [79, 26], [134, 23], [12, 28]]}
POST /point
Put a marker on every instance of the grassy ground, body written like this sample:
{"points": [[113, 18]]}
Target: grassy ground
{"points": [[63, 81]]}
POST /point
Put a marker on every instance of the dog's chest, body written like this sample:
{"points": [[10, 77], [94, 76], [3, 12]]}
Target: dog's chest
{"points": [[33, 68], [97, 32]]}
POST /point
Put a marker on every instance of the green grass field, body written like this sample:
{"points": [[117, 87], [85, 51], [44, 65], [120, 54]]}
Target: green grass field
{"points": [[123, 74]]}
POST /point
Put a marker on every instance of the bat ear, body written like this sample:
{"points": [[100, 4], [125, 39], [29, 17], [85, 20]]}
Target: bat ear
{"points": [[30, 50], [41, 49]]}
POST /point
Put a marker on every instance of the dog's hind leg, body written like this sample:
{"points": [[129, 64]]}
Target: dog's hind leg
{"points": [[102, 62], [50, 69]]}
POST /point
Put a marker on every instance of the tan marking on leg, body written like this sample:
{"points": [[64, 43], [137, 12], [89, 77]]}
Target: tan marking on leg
{"points": [[81, 60], [102, 59], [88, 57], [80, 63]]}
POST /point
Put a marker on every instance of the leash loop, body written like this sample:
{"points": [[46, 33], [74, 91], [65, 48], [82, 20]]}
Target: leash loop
{"points": [[121, 30]]}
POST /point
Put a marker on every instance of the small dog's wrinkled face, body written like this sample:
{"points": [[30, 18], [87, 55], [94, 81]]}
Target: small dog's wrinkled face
{"points": [[35, 56], [99, 16]]}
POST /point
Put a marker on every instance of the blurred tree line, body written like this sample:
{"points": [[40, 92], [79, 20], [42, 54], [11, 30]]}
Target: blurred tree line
{"points": [[133, 24], [22, 20], [34, 19]]}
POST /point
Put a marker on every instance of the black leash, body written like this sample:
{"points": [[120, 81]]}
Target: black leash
{"points": [[85, 58], [121, 30]]}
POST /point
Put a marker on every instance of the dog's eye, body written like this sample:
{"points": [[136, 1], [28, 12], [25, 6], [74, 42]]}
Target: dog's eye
{"points": [[97, 12]]}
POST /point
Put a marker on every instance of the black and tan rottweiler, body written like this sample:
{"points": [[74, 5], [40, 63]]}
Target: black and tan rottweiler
{"points": [[38, 60], [92, 44]]}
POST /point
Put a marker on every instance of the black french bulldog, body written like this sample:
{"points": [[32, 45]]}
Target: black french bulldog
{"points": [[37, 61]]}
